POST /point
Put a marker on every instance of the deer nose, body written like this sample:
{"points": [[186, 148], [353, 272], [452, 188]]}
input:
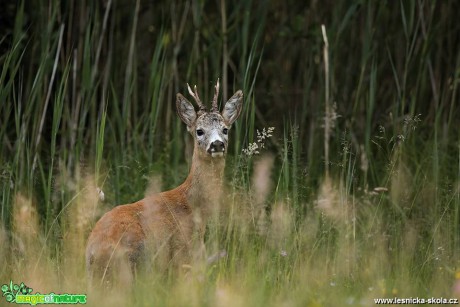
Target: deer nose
{"points": [[216, 146]]}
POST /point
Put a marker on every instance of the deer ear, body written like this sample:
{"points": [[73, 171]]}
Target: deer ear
{"points": [[185, 110], [233, 107]]}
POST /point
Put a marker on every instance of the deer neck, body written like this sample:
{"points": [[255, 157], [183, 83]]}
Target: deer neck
{"points": [[205, 181]]}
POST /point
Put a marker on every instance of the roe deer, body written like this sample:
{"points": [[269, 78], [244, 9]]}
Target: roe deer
{"points": [[164, 225]]}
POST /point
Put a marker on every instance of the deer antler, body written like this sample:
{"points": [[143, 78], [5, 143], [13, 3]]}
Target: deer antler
{"points": [[197, 98], [214, 107]]}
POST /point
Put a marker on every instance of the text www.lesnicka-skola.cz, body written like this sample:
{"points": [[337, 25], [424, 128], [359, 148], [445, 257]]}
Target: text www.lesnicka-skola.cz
{"points": [[415, 300]]}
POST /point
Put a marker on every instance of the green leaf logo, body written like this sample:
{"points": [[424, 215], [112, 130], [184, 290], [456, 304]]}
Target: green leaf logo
{"points": [[10, 291]]}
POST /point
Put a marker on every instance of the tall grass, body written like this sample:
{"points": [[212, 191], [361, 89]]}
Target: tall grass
{"points": [[87, 121]]}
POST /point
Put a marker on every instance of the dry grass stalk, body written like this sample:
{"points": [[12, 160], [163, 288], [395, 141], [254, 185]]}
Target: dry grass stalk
{"points": [[3, 251], [261, 186], [30, 256], [327, 121], [25, 225], [281, 225], [400, 184], [80, 216], [154, 186], [330, 201]]}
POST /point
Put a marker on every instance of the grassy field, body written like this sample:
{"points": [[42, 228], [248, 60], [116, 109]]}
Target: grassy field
{"points": [[355, 195]]}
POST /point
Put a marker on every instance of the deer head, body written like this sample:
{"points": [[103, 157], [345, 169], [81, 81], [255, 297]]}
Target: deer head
{"points": [[209, 128]]}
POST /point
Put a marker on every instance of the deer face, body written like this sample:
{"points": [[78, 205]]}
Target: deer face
{"points": [[209, 129], [211, 134]]}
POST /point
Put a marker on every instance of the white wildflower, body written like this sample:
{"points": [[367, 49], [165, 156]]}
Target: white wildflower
{"points": [[251, 150], [262, 136]]}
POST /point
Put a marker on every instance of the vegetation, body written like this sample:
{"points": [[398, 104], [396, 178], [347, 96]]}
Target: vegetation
{"points": [[356, 195]]}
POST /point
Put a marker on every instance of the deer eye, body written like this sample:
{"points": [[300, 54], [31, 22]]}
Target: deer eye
{"points": [[225, 131], [199, 132]]}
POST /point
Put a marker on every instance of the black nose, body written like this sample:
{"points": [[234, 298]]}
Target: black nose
{"points": [[216, 146]]}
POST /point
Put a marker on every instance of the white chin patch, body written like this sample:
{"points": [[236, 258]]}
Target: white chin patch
{"points": [[217, 154]]}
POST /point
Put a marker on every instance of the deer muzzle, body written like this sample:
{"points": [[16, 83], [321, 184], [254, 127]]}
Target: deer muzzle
{"points": [[216, 149]]}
